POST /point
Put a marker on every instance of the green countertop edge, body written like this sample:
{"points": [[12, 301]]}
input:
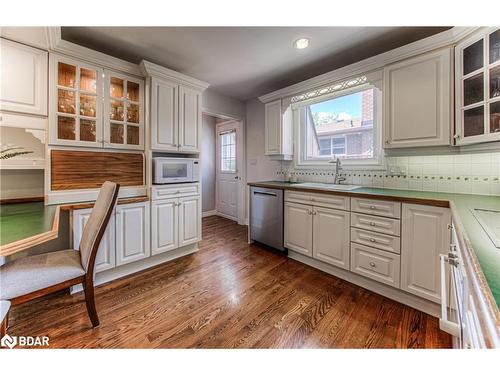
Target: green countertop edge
{"points": [[486, 253], [23, 220]]}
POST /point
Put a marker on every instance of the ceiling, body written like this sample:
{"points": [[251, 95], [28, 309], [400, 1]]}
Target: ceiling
{"points": [[245, 62]]}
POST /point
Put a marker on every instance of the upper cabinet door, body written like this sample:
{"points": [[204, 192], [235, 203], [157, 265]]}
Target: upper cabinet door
{"points": [[24, 73], [189, 119], [273, 128], [124, 112], [477, 88], [164, 115], [417, 101], [76, 103]]}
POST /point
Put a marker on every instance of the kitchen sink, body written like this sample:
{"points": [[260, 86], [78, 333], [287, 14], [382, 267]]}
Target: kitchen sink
{"points": [[324, 186], [490, 221]]}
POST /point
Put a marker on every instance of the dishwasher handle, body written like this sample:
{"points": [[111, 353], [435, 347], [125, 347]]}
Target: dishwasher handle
{"points": [[264, 193]]}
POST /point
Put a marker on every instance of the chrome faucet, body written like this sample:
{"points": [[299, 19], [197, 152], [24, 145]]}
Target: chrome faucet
{"points": [[338, 167]]}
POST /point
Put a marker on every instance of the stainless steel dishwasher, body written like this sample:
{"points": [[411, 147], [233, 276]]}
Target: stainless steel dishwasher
{"points": [[266, 217]]}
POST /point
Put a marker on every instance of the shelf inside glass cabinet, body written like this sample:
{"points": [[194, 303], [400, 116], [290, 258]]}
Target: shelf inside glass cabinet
{"points": [[474, 121], [116, 89], [473, 57], [473, 89], [66, 128], [87, 130], [88, 80], [66, 75], [66, 102]]}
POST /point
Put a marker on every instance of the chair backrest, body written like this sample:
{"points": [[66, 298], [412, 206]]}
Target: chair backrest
{"points": [[97, 223]]}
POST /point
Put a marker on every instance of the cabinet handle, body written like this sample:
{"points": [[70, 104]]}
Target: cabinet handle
{"points": [[314, 212], [372, 264]]}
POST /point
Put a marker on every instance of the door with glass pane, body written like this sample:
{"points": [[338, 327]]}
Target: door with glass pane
{"points": [[228, 165], [76, 103], [478, 88], [124, 112]]}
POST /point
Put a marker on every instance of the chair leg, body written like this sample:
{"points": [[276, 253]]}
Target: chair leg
{"points": [[88, 287], [4, 326]]}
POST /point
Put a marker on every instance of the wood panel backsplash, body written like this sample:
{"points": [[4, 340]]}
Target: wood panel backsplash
{"points": [[87, 169]]}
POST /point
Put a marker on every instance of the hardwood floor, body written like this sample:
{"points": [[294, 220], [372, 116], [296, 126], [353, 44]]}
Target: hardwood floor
{"points": [[229, 295]]}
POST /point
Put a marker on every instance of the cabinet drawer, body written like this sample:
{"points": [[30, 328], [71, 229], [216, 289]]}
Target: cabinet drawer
{"points": [[378, 240], [376, 224], [376, 207], [375, 264], [175, 191], [338, 202]]}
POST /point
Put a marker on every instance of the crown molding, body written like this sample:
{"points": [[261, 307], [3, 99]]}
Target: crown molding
{"points": [[155, 70], [61, 46], [443, 39]]}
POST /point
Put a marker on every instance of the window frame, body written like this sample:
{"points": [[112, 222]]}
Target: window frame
{"points": [[375, 163]]}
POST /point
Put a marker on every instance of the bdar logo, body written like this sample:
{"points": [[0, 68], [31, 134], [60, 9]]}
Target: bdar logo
{"points": [[8, 341]]}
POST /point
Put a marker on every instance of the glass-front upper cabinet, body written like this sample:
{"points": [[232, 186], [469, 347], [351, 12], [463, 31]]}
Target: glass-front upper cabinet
{"points": [[477, 84], [124, 111], [76, 103]]}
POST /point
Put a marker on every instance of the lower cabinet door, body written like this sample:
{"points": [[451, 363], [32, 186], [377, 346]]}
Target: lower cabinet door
{"points": [[189, 220], [132, 232], [164, 222], [331, 236], [298, 228], [424, 236], [105, 258]]}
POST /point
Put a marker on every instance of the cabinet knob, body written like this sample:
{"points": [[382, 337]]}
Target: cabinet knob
{"points": [[372, 224], [372, 264], [372, 207], [373, 240]]}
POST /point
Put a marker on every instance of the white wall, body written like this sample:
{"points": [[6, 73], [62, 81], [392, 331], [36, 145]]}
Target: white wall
{"points": [[21, 183], [259, 166], [207, 157], [218, 104]]}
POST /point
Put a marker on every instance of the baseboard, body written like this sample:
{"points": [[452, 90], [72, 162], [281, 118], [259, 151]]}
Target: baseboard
{"points": [[140, 265], [227, 216], [398, 295], [209, 213]]}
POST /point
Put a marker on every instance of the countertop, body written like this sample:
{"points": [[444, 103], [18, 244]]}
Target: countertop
{"points": [[24, 225], [487, 255]]}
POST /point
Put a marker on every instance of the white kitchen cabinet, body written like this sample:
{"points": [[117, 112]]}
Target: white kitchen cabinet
{"points": [[425, 234], [477, 87], [417, 101], [165, 226], [105, 258], [298, 231], [164, 115], [278, 130], [24, 73], [189, 120], [132, 232], [189, 220], [331, 236], [76, 103], [123, 111], [175, 217]]}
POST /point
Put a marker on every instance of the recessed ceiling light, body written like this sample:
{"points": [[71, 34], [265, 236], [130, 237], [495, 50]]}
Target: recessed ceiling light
{"points": [[301, 43]]}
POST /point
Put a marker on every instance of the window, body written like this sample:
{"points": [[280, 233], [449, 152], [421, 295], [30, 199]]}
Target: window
{"points": [[228, 151], [343, 126]]}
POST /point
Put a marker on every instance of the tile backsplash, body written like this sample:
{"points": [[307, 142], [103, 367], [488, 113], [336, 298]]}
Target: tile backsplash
{"points": [[464, 173]]}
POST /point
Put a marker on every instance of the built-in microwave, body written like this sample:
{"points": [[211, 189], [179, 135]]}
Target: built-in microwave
{"points": [[174, 170]]}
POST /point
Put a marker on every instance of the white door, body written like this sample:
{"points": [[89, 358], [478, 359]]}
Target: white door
{"points": [[189, 220], [132, 232], [164, 115], [331, 236], [24, 78], [273, 123], [76, 103], [417, 101], [105, 258], [123, 111], [189, 119], [424, 236], [298, 228], [164, 234], [229, 162]]}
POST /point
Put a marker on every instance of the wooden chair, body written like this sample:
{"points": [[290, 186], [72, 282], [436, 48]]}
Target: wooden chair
{"points": [[35, 276]]}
